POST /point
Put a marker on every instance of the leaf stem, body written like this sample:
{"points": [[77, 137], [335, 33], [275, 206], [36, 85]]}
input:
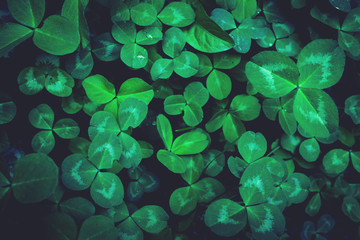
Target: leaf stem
{"points": [[272, 151]]}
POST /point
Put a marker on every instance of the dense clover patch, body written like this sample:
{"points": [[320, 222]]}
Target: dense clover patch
{"points": [[214, 120]]}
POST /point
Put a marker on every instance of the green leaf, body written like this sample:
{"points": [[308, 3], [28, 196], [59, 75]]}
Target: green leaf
{"points": [[131, 113], [11, 35], [112, 107], [342, 5], [287, 122], [290, 142], [120, 12], [149, 36], [352, 21], [310, 150], [244, 9], [225, 217], [60, 226], [223, 18], [283, 30], [165, 131], [205, 65], [236, 166], [147, 149], [266, 221], [74, 10], [172, 161], [191, 142], [227, 4], [288, 46], [254, 28], [298, 4], [96, 228], [226, 60], [28, 12], [252, 146], [158, 4], [7, 109], [321, 64], [355, 159], [77, 172], [99, 89], [296, 188], [57, 194], [101, 122], [313, 207], [104, 149], [105, 48], [183, 200], [208, 189], [42, 117], [352, 108], [59, 83], [143, 14], [128, 229], [256, 184], [331, 20], [272, 74], [43, 142], [72, 104], [90, 107], [351, 208], [206, 36], [216, 121], [131, 151], [136, 88], [80, 64], [186, 64], [245, 107], [35, 178], [271, 107], [242, 41], [177, 14], [117, 213], [272, 11], [214, 162], [78, 207], [134, 55], [232, 128], [194, 167], [31, 81], [193, 114], [268, 40], [336, 161], [218, 84], [162, 68], [349, 43], [173, 42], [124, 32], [66, 128], [195, 92], [107, 190], [279, 169], [346, 137], [174, 104], [316, 112], [151, 218], [57, 36]]}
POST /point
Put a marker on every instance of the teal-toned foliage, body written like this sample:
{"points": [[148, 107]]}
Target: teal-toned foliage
{"points": [[203, 119]]}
